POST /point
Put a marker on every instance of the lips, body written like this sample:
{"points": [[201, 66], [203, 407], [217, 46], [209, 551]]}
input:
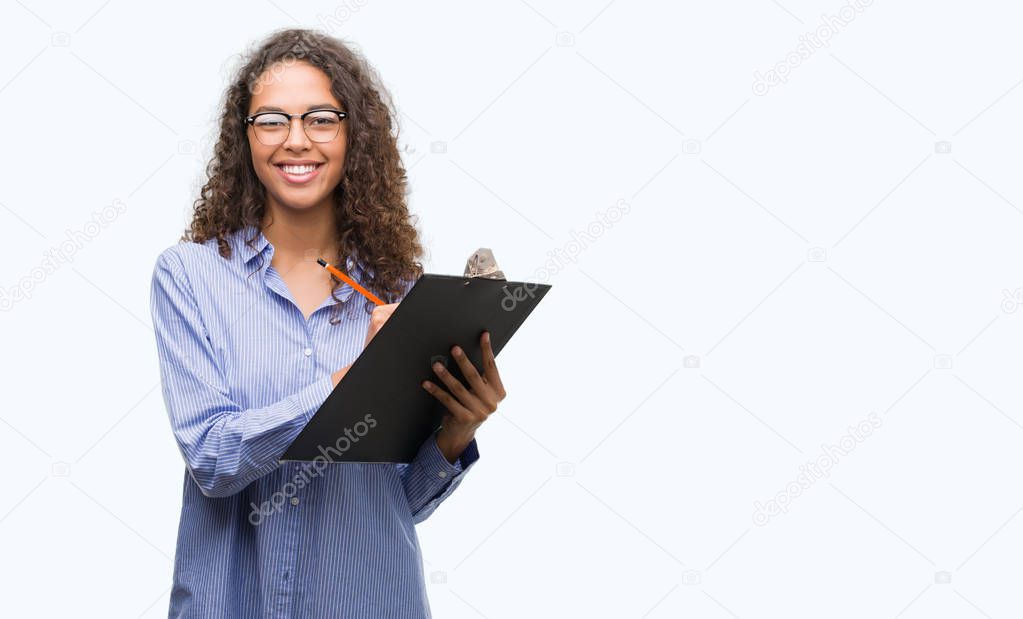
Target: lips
{"points": [[298, 174]]}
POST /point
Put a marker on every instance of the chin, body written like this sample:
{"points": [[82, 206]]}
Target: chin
{"points": [[300, 204]]}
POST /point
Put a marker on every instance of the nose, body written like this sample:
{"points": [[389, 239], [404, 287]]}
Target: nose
{"points": [[297, 139]]}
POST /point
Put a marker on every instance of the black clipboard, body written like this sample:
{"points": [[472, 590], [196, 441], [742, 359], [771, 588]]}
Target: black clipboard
{"points": [[379, 412]]}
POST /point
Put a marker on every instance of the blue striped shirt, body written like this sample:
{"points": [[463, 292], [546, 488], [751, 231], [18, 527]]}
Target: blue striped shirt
{"points": [[242, 371]]}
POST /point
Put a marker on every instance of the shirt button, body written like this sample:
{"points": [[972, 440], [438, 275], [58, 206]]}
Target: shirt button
{"points": [[442, 474], [294, 500], [308, 351]]}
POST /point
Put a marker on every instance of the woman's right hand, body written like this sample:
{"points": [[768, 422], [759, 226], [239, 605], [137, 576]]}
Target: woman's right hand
{"points": [[376, 320], [337, 376]]}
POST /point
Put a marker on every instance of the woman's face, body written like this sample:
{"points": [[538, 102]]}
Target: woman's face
{"points": [[295, 88]]}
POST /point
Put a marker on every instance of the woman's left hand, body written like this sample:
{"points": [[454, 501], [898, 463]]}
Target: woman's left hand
{"points": [[467, 408]]}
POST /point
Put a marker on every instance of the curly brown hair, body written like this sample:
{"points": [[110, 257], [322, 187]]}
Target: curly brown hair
{"points": [[372, 216]]}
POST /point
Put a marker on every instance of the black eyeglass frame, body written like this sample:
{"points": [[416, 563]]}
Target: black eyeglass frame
{"points": [[250, 120]]}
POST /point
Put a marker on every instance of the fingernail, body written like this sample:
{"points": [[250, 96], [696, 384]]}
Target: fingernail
{"points": [[456, 351], [437, 366], [425, 385]]}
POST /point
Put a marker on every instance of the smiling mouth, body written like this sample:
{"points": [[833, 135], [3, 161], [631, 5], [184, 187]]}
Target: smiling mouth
{"points": [[298, 174]]}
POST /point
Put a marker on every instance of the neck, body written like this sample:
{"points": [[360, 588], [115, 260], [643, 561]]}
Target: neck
{"points": [[301, 233]]}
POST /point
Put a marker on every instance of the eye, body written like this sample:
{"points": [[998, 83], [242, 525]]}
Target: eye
{"points": [[271, 121], [322, 119]]}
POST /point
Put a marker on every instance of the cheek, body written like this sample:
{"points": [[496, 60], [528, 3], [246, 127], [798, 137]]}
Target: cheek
{"points": [[337, 158], [336, 150], [262, 173], [255, 155], [259, 155]]}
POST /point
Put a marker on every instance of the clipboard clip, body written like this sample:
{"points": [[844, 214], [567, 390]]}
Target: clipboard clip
{"points": [[481, 264]]}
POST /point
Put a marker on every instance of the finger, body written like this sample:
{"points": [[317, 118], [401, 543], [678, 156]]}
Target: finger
{"points": [[454, 408], [490, 366], [455, 386], [481, 389], [469, 370], [382, 312]]}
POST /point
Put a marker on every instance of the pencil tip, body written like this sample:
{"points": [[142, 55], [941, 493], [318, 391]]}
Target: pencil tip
{"points": [[322, 262]]}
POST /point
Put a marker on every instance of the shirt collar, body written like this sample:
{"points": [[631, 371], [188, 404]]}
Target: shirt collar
{"points": [[261, 243]]}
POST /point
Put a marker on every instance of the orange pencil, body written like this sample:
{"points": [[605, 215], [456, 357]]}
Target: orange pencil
{"points": [[351, 282]]}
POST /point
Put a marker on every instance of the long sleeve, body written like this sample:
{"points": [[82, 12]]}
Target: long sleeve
{"points": [[430, 479], [224, 447]]}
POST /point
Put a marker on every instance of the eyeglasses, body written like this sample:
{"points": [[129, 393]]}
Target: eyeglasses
{"points": [[273, 128]]}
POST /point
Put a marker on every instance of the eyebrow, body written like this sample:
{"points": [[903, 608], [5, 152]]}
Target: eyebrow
{"points": [[315, 106]]}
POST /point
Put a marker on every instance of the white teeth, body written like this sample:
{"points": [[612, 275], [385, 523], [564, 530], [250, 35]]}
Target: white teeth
{"points": [[298, 169]]}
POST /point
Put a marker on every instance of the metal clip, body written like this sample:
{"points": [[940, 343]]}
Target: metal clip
{"points": [[482, 264]]}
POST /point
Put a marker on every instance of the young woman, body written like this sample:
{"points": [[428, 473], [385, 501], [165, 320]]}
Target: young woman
{"points": [[253, 335]]}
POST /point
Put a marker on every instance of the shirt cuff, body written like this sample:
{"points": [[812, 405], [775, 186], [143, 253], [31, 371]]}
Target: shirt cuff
{"points": [[437, 467], [469, 455]]}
